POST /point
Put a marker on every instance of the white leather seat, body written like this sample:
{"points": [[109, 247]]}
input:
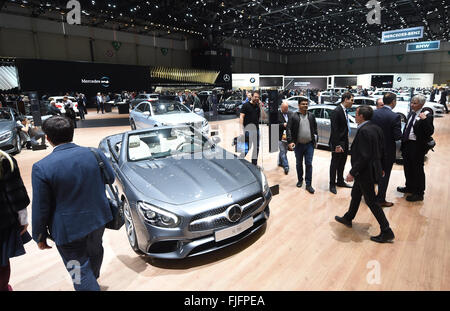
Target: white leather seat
{"points": [[137, 149]]}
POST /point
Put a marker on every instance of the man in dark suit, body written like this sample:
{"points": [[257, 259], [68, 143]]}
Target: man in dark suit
{"points": [[443, 100], [69, 203], [418, 131], [340, 129], [284, 115], [390, 123], [302, 134], [367, 168]]}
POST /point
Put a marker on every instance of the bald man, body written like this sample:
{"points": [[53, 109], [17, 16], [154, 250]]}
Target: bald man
{"points": [[284, 116], [380, 103]]}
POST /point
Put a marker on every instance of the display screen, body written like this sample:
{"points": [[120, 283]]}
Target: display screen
{"points": [[62, 76], [271, 82], [305, 83], [383, 81], [345, 81]]}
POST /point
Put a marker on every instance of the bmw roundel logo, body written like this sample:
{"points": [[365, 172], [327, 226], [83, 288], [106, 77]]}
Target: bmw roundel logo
{"points": [[399, 79], [252, 80], [234, 213], [226, 78]]}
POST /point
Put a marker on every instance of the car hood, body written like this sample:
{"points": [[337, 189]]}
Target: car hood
{"points": [[182, 181], [179, 118], [6, 126], [234, 102]]}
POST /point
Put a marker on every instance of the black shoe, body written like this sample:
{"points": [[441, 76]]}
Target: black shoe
{"points": [[343, 185], [414, 198], [333, 189], [403, 190], [280, 165], [384, 237], [299, 184], [286, 170], [343, 221], [310, 189]]}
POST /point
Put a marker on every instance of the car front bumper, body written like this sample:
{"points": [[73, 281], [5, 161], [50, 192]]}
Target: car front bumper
{"points": [[180, 243]]}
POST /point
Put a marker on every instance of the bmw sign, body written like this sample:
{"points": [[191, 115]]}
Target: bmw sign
{"points": [[399, 79], [252, 80]]}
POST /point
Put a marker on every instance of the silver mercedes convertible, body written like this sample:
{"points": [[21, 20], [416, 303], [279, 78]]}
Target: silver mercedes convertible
{"points": [[182, 194]]}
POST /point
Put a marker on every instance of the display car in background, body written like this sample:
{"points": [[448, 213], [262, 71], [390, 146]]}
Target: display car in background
{"points": [[143, 97], [323, 118], [182, 194], [10, 141], [293, 101], [60, 105], [230, 105], [161, 113]]}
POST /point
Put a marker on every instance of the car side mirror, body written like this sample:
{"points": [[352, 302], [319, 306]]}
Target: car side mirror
{"points": [[197, 110], [146, 113]]}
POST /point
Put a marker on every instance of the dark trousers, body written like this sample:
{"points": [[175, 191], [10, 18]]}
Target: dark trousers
{"points": [[445, 106], [81, 111], [413, 165], [366, 189], [100, 106], [384, 183], [83, 259], [338, 161], [305, 151], [250, 138], [5, 273]]}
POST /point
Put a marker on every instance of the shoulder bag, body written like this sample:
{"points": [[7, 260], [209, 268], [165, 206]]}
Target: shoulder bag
{"points": [[115, 204]]}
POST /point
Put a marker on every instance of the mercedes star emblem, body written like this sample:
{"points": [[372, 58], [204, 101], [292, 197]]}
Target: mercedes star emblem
{"points": [[226, 78], [234, 213]]}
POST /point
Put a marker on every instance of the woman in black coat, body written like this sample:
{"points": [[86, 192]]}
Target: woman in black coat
{"points": [[13, 216]]}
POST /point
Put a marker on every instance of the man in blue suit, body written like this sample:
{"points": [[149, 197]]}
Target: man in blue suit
{"points": [[390, 123], [70, 204]]}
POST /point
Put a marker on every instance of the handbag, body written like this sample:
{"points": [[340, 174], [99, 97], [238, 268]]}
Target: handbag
{"points": [[115, 204]]}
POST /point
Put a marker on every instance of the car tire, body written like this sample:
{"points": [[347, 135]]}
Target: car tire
{"points": [[130, 228], [133, 125]]}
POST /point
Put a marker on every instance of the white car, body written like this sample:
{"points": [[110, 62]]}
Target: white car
{"points": [[165, 113], [435, 108], [293, 101], [60, 105]]}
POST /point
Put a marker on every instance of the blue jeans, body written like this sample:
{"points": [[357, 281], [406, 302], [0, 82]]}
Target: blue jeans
{"points": [[304, 151], [282, 157], [88, 253]]}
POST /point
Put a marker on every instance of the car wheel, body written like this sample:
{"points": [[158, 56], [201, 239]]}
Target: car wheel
{"points": [[133, 125], [18, 144], [130, 229]]}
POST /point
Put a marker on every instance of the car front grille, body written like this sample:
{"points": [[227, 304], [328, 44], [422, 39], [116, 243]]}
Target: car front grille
{"points": [[216, 218]]}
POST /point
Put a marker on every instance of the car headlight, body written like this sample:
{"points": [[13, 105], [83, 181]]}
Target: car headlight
{"points": [[158, 217], [264, 183], [5, 135]]}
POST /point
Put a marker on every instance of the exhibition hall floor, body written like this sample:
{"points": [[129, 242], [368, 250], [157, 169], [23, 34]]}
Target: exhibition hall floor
{"points": [[302, 247]]}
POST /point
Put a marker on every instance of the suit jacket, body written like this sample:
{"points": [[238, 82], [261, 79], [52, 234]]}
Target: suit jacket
{"points": [[281, 121], [293, 124], [368, 153], [339, 129], [391, 124], [423, 129], [69, 197]]}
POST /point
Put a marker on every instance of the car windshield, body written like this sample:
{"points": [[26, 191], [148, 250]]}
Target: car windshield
{"points": [[235, 97], [157, 144], [162, 108], [5, 115]]}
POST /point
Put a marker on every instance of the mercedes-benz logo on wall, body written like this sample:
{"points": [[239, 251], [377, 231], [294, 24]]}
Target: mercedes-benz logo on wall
{"points": [[252, 80], [234, 213], [105, 81], [226, 78]]}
